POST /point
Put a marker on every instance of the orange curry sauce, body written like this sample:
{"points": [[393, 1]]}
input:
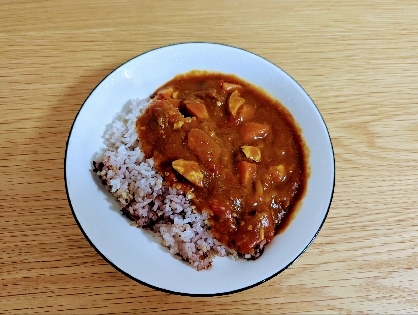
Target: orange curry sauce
{"points": [[236, 151]]}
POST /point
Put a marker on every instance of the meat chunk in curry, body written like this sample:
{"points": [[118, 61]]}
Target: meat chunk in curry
{"points": [[233, 148]]}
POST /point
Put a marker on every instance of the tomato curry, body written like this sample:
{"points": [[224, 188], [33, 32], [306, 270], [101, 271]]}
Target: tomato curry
{"points": [[234, 150]]}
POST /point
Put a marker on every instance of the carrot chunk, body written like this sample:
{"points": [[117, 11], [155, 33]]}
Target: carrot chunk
{"points": [[197, 109], [251, 131], [259, 190], [247, 172], [174, 102], [166, 92], [247, 112]]}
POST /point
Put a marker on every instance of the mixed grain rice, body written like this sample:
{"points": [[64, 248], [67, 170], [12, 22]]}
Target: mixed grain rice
{"points": [[145, 199]]}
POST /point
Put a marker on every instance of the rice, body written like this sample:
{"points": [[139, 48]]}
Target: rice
{"points": [[146, 199]]}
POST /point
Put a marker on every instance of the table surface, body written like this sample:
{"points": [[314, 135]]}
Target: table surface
{"points": [[358, 60]]}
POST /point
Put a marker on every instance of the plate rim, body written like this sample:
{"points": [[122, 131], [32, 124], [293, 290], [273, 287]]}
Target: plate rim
{"points": [[173, 291]]}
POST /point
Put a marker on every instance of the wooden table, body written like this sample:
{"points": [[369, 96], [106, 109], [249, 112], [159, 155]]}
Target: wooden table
{"points": [[358, 60]]}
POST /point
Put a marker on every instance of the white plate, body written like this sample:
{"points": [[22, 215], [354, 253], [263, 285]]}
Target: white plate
{"points": [[131, 250]]}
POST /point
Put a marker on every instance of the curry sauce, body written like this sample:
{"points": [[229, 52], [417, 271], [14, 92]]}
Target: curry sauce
{"points": [[234, 150]]}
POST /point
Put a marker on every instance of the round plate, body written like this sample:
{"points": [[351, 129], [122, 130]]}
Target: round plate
{"points": [[131, 250]]}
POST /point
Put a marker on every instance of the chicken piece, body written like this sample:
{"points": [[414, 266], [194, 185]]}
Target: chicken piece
{"points": [[252, 153], [178, 124], [160, 116], [230, 86], [277, 173], [235, 102], [189, 170]]}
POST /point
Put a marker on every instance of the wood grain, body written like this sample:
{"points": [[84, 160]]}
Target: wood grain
{"points": [[356, 59]]}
